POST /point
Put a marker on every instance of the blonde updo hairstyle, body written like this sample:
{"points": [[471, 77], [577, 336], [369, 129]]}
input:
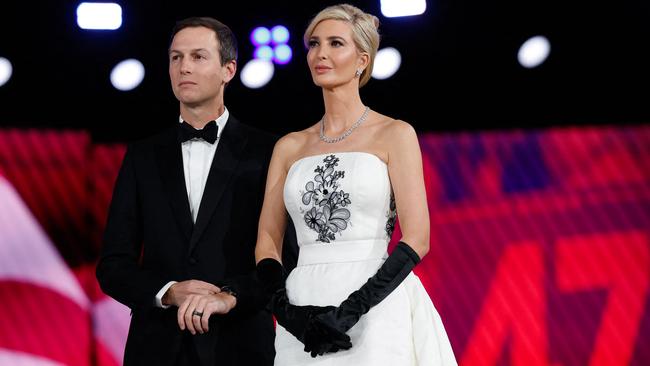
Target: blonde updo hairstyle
{"points": [[364, 31]]}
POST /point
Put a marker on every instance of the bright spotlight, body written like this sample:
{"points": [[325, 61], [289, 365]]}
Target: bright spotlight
{"points": [[279, 34], [387, 62], [105, 16], [127, 75], [534, 52], [5, 71], [260, 36], [257, 73], [282, 54], [402, 8], [263, 53]]}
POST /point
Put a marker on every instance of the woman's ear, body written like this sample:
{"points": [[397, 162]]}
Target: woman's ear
{"points": [[364, 60]]}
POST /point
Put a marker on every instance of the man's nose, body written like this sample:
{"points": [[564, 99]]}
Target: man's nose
{"points": [[185, 66]]}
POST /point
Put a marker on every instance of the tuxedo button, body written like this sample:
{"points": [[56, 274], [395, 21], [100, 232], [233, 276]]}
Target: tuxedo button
{"points": [[193, 261]]}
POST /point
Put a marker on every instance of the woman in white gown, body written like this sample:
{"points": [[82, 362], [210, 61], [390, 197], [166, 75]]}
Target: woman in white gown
{"points": [[348, 302]]}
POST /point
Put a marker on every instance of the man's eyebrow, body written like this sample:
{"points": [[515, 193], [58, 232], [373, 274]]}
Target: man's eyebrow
{"points": [[191, 51]]}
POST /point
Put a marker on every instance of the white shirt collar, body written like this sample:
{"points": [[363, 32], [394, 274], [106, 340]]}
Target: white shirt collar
{"points": [[221, 121]]}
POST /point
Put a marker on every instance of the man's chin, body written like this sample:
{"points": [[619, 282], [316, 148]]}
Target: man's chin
{"points": [[190, 102]]}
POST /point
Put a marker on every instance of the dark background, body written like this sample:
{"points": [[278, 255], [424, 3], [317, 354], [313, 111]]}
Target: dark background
{"points": [[459, 66]]}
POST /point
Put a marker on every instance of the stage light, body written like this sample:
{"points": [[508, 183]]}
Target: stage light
{"points": [[387, 62], [402, 8], [257, 73], [102, 16], [282, 54], [5, 71], [534, 52], [279, 34], [260, 36], [127, 75], [264, 53]]}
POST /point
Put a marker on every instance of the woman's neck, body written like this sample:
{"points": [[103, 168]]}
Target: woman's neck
{"points": [[342, 110]]}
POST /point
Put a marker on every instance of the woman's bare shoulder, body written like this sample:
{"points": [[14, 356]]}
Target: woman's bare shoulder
{"points": [[290, 146], [393, 128]]}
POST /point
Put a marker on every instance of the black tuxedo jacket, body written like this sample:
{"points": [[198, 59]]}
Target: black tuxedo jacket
{"points": [[150, 240]]}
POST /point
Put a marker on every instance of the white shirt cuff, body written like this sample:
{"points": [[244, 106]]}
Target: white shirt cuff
{"points": [[161, 293]]}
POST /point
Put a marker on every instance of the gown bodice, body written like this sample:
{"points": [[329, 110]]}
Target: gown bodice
{"points": [[335, 198]]}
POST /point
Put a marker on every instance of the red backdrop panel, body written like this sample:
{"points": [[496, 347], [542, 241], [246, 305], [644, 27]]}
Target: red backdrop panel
{"points": [[540, 243]]}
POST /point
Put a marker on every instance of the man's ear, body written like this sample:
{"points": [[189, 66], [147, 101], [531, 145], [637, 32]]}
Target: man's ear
{"points": [[229, 70]]}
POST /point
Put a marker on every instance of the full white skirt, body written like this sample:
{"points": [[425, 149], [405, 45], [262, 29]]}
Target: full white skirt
{"points": [[404, 329]]}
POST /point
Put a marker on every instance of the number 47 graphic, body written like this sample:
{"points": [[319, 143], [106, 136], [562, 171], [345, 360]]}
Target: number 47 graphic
{"points": [[515, 310]]}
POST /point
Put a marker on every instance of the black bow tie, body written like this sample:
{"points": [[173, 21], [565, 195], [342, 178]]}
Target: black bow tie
{"points": [[209, 133]]}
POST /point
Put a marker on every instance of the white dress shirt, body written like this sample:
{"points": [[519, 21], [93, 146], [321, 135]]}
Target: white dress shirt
{"points": [[197, 160]]}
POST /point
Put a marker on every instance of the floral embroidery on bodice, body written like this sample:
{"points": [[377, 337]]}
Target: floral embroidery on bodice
{"points": [[340, 196], [328, 214]]}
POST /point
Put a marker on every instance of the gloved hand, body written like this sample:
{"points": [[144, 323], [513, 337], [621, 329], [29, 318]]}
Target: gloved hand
{"points": [[394, 270], [297, 319], [322, 339]]}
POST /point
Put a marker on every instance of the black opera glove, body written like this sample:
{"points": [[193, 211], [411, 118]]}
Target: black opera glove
{"points": [[394, 270], [320, 339], [271, 276], [297, 319]]}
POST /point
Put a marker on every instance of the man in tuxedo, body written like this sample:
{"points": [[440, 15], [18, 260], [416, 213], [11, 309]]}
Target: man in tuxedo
{"points": [[183, 219]]}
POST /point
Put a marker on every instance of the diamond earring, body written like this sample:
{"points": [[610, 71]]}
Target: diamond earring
{"points": [[357, 73]]}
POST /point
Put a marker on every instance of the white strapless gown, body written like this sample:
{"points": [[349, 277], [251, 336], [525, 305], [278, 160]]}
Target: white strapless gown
{"points": [[342, 207]]}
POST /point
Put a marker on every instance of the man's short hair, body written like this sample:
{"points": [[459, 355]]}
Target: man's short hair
{"points": [[226, 38]]}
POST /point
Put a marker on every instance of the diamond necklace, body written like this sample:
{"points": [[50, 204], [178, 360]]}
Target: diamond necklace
{"points": [[346, 133]]}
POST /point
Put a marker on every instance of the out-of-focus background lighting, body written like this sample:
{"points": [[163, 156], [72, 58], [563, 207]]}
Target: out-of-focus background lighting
{"points": [[99, 16], [127, 75]]}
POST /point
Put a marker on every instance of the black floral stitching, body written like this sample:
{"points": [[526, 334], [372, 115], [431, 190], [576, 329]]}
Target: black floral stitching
{"points": [[392, 217], [328, 214]]}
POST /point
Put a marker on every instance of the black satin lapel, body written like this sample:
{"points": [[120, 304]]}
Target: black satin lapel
{"points": [[170, 163], [225, 161]]}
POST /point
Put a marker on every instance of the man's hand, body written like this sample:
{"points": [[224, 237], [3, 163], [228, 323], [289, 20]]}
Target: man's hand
{"points": [[194, 313], [178, 293]]}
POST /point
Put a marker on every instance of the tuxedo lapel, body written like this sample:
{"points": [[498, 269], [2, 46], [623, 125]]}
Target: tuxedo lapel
{"points": [[226, 159], [169, 157]]}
